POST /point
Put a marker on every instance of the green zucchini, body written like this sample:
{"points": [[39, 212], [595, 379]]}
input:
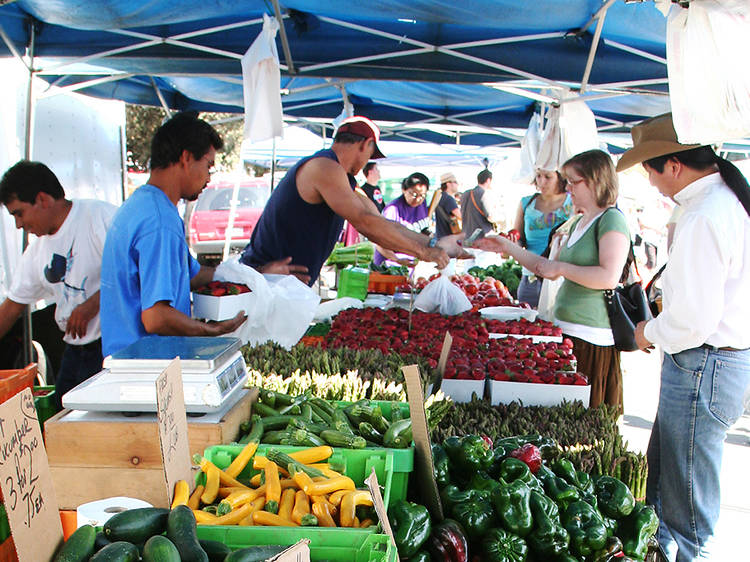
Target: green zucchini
{"points": [[217, 551], [276, 422], [255, 553], [264, 410], [367, 431], [396, 413], [284, 461], [100, 541], [160, 549], [268, 397], [136, 525], [398, 435], [339, 439], [118, 551], [300, 423], [275, 437], [341, 422], [181, 531], [302, 438], [79, 547], [377, 419]]}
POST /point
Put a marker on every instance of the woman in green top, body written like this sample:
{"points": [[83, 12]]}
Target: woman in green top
{"points": [[591, 259]]}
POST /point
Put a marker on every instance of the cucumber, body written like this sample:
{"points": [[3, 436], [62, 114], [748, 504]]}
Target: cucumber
{"points": [[79, 546], [181, 531], [217, 551], [136, 525], [101, 541], [255, 553], [118, 551], [160, 549], [340, 439]]}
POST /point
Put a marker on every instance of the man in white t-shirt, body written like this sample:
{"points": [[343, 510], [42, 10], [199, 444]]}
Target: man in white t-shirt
{"points": [[62, 264]]}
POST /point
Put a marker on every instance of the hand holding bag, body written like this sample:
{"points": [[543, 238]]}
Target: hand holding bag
{"points": [[626, 304]]}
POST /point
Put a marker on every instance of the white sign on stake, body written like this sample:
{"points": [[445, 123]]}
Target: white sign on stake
{"points": [[173, 430], [28, 492]]}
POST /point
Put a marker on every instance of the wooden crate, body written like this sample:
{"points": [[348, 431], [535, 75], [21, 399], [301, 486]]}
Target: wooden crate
{"points": [[96, 455]]}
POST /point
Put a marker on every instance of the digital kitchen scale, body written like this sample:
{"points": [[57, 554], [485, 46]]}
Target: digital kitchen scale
{"points": [[213, 375]]}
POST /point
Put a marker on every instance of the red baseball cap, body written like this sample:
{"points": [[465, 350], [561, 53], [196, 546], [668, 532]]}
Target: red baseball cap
{"points": [[362, 126]]}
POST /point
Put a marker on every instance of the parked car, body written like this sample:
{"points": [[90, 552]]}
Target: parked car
{"points": [[209, 219]]}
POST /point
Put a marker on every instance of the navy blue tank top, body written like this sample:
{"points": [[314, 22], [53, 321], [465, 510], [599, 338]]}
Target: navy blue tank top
{"points": [[290, 226]]}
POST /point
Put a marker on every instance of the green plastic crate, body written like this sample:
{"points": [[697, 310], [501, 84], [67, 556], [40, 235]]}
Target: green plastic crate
{"points": [[335, 545], [44, 401], [392, 466]]}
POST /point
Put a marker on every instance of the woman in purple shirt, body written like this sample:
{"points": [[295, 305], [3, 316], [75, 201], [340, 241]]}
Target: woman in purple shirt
{"points": [[410, 210]]}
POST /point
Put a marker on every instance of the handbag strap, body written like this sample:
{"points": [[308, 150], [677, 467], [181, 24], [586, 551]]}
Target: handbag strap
{"points": [[481, 212], [631, 254], [655, 278]]}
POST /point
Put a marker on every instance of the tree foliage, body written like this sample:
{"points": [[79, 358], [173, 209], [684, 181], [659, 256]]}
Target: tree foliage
{"points": [[142, 122]]}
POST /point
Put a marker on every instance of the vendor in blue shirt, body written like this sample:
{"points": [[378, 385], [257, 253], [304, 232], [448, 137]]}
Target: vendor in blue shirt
{"points": [[147, 270]]}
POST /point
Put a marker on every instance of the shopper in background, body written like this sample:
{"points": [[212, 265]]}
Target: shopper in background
{"points": [[408, 210], [62, 264], [147, 270], [474, 213], [445, 207], [702, 330], [370, 187], [537, 215], [591, 259]]}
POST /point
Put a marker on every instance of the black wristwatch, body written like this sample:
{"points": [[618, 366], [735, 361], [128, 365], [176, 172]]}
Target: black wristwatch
{"points": [[433, 242]]}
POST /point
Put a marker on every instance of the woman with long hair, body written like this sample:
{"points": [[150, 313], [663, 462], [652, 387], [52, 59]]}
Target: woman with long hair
{"points": [[591, 259]]}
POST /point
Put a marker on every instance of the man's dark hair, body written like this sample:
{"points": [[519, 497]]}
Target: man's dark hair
{"points": [[417, 178], [348, 138], [26, 179], [182, 132], [702, 158], [369, 166], [483, 176]]}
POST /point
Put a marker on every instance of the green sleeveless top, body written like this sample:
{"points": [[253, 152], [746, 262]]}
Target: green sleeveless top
{"points": [[578, 304]]}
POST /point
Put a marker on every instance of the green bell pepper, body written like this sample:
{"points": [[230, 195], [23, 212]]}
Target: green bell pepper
{"points": [[476, 517], [614, 497], [452, 495], [411, 526], [586, 528], [563, 468], [584, 482], [561, 492], [590, 499], [612, 547], [468, 454], [636, 529], [512, 469], [421, 556], [483, 482], [440, 466], [548, 538], [512, 507], [500, 546]]}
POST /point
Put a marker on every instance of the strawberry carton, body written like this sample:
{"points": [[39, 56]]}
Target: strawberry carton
{"points": [[537, 388], [221, 300]]}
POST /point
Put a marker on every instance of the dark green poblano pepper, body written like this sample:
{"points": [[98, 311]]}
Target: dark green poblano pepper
{"points": [[512, 507], [548, 538], [586, 528], [636, 529], [411, 526], [614, 497], [499, 545], [440, 466]]}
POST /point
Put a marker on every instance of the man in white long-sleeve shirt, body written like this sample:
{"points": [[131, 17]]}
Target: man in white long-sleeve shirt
{"points": [[702, 330]]}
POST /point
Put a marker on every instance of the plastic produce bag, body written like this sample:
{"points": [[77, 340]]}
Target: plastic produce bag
{"points": [[282, 309], [570, 130], [547, 297], [709, 78], [529, 150], [441, 295], [327, 310]]}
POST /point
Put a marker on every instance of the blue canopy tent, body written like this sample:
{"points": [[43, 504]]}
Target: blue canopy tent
{"points": [[478, 70]]}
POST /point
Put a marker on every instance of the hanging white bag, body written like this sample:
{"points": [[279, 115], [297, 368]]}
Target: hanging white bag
{"points": [[709, 78], [441, 295]]}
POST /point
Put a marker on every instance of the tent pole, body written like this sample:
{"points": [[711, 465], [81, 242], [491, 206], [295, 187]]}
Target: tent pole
{"points": [[161, 97], [601, 14], [28, 336], [284, 40], [273, 161]]}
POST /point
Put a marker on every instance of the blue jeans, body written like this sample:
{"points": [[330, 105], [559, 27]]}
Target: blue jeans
{"points": [[78, 363], [528, 291], [701, 397]]}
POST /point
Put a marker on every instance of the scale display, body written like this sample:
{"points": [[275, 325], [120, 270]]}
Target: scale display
{"points": [[213, 375]]}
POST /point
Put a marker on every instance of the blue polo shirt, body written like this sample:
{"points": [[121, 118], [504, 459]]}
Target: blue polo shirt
{"points": [[145, 260]]}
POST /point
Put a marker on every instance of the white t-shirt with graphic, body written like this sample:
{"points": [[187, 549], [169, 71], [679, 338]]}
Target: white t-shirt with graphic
{"points": [[66, 266]]}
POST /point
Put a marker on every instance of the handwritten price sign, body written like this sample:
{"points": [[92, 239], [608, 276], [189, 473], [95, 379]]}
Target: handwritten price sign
{"points": [[173, 430], [28, 493]]}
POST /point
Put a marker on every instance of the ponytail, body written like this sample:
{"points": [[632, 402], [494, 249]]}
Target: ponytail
{"points": [[702, 158], [735, 180]]}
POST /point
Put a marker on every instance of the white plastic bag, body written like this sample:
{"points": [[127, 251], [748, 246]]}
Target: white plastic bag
{"points": [[441, 295], [709, 78], [529, 150], [260, 85], [570, 130], [327, 310], [547, 296], [281, 310]]}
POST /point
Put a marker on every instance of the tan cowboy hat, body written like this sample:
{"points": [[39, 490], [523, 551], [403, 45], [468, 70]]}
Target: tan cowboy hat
{"points": [[448, 176], [654, 137]]}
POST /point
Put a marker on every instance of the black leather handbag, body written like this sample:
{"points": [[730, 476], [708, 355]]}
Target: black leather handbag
{"points": [[626, 304]]}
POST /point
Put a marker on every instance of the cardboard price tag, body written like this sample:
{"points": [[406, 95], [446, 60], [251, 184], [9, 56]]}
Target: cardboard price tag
{"points": [[173, 430], [298, 552], [377, 503], [423, 448], [28, 493], [443, 361]]}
